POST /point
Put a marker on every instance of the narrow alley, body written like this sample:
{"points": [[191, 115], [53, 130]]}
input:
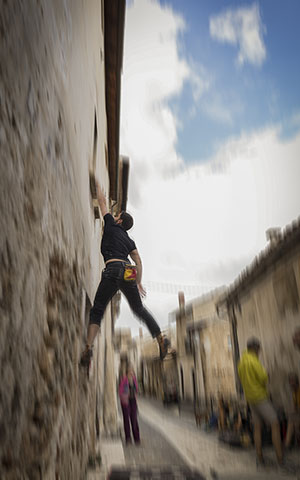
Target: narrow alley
{"points": [[149, 240], [154, 450], [172, 447]]}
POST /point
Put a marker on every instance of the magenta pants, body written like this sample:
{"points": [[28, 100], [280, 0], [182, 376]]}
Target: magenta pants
{"points": [[130, 417]]}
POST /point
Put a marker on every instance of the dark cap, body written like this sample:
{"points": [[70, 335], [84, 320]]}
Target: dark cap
{"points": [[253, 342]]}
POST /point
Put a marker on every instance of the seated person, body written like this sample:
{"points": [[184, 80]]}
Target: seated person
{"points": [[240, 422], [223, 412], [294, 413], [237, 420]]}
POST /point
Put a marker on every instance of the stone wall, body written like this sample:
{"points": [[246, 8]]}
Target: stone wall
{"points": [[270, 310], [204, 360], [52, 130], [217, 359]]}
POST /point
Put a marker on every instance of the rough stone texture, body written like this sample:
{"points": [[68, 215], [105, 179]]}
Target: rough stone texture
{"points": [[217, 362], [205, 363], [153, 374], [154, 450], [51, 87], [270, 310]]}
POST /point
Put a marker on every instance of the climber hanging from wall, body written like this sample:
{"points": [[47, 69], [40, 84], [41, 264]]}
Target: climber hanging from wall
{"points": [[119, 274]]}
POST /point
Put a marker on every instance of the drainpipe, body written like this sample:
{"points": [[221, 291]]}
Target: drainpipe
{"points": [[236, 347], [200, 384]]}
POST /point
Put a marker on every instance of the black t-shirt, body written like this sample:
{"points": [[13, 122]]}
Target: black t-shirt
{"points": [[116, 242]]}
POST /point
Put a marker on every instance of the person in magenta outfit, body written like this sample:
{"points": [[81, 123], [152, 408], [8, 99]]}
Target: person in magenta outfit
{"points": [[127, 391]]}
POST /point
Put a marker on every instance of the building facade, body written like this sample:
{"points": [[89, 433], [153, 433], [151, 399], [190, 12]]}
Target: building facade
{"points": [[126, 350], [59, 110], [153, 374], [265, 302], [204, 352]]}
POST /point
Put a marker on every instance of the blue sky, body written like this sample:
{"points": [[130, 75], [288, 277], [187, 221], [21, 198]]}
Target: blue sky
{"points": [[210, 120], [254, 96]]}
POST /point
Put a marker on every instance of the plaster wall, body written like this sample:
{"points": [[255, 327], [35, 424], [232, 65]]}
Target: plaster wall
{"points": [[270, 310], [217, 362]]}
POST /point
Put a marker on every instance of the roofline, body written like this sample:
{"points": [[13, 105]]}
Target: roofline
{"points": [[289, 242], [198, 300], [114, 21]]}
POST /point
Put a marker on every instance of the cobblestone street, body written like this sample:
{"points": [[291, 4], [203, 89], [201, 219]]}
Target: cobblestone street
{"points": [[173, 447], [154, 458], [154, 450]]}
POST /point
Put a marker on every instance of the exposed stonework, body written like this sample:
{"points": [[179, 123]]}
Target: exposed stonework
{"points": [[151, 372], [265, 301], [52, 94], [204, 354]]}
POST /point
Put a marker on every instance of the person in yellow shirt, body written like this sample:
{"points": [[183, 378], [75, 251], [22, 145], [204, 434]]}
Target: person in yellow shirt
{"points": [[294, 413], [254, 381]]}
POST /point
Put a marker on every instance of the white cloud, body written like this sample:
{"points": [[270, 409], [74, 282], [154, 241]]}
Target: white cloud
{"points": [[242, 27], [199, 224], [153, 72], [219, 211], [199, 80], [218, 111], [208, 222]]}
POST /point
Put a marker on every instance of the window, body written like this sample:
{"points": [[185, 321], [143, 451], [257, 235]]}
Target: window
{"points": [[285, 290]]}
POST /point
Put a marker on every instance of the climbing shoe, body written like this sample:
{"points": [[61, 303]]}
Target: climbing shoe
{"points": [[163, 343]]}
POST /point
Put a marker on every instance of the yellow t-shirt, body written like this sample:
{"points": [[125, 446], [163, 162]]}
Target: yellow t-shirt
{"points": [[253, 378]]}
